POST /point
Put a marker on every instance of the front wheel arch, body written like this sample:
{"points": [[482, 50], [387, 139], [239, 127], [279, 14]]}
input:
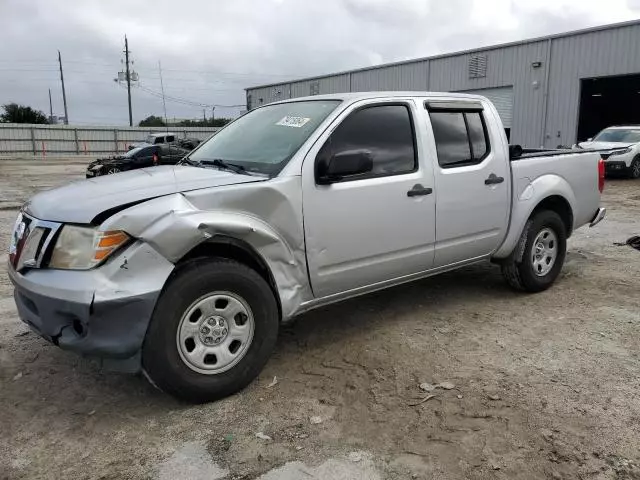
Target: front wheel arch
{"points": [[233, 249], [634, 162]]}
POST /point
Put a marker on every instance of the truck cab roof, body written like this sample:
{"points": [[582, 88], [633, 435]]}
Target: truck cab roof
{"points": [[356, 96]]}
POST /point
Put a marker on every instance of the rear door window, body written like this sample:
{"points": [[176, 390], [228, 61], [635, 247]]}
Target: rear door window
{"points": [[165, 150], [461, 137]]}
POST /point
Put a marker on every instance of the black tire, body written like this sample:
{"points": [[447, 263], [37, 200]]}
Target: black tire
{"points": [[518, 269], [634, 168], [161, 360]]}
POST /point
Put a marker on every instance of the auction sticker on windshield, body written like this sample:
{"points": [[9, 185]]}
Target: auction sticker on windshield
{"points": [[295, 122]]}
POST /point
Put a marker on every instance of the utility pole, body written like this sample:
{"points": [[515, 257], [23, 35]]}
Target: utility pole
{"points": [[126, 56], [50, 107], [204, 115], [64, 93], [164, 104], [213, 114]]}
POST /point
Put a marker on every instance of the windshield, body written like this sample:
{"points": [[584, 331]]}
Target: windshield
{"points": [[132, 152], [618, 135], [265, 139], [150, 139]]}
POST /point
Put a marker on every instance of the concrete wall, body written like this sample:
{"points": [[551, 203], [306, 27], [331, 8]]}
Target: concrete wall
{"points": [[546, 98], [42, 140]]}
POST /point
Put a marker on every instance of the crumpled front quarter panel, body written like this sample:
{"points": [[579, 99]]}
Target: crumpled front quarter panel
{"points": [[267, 215]]}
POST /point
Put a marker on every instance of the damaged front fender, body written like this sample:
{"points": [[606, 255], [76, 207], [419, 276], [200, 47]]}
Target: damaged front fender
{"points": [[262, 215]]}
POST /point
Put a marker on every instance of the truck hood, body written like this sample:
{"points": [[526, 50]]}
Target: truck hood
{"points": [[83, 200], [603, 145]]}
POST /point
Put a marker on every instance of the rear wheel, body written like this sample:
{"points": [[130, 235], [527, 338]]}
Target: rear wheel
{"points": [[537, 261], [212, 331], [634, 169]]}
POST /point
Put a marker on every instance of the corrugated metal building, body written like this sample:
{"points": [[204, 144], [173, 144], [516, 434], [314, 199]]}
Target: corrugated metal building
{"points": [[549, 91]]}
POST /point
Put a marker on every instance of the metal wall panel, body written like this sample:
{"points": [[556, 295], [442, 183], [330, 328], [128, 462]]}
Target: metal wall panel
{"points": [[545, 97], [502, 99], [410, 76], [275, 93], [595, 54], [506, 67], [324, 85]]}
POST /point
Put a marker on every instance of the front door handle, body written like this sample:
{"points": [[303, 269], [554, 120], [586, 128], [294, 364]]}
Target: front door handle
{"points": [[493, 180], [419, 190]]}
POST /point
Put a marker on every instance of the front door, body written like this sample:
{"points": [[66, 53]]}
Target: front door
{"points": [[368, 228], [472, 183]]}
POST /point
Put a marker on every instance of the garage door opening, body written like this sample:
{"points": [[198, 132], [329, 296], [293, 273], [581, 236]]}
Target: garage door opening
{"points": [[607, 101]]}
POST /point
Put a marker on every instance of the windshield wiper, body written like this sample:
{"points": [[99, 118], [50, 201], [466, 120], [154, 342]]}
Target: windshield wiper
{"points": [[187, 161], [218, 162]]}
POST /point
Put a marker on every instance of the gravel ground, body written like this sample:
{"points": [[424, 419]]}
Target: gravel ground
{"points": [[543, 386]]}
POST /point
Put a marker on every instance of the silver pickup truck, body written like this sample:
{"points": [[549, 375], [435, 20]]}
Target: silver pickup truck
{"points": [[186, 272]]}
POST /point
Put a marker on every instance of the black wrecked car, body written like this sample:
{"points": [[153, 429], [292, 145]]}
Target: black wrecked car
{"points": [[139, 157]]}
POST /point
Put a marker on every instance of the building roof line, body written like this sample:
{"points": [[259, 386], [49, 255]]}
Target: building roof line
{"points": [[457, 53]]}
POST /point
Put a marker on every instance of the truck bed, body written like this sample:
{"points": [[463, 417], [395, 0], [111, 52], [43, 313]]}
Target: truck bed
{"points": [[518, 153]]}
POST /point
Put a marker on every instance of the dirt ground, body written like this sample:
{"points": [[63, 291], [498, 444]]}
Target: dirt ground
{"points": [[544, 386]]}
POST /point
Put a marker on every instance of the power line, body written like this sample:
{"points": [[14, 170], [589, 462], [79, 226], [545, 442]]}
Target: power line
{"points": [[204, 72], [185, 101]]}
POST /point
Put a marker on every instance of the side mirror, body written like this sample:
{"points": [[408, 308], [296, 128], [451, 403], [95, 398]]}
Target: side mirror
{"points": [[343, 164], [589, 139]]}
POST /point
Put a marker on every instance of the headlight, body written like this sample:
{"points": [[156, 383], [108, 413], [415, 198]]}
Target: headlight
{"points": [[621, 152], [82, 248]]}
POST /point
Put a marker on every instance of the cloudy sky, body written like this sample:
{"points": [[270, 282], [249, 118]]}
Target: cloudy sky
{"points": [[211, 50]]}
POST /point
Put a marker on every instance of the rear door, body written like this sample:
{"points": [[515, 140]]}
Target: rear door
{"points": [[176, 154], [166, 154], [369, 228], [472, 179], [144, 158]]}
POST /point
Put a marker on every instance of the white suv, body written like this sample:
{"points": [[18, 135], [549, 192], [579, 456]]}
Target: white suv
{"points": [[627, 138]]}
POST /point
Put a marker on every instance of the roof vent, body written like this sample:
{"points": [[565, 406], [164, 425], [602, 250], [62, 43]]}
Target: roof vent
{"points": [[478, 66]]}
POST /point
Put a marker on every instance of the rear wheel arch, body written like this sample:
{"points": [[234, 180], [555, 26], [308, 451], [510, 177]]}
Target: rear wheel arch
{"points": [[233, 249], [559, 205]]}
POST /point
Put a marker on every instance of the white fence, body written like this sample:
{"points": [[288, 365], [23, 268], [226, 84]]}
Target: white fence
{"points": [[42, 140]]}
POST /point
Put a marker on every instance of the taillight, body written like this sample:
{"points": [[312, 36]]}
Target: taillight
{"points": [[601, 175]]}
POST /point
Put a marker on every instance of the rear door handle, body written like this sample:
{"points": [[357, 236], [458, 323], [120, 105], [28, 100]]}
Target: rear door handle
{"points": [[418, 190], [493, 180]]}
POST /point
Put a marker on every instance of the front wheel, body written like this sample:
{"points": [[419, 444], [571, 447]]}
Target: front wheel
{"points": [[537, 260], [212, 331], [634, 169]]}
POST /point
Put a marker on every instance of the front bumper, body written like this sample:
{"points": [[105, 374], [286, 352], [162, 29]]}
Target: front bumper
{"points": [[102, 312], [617, 166], [93, 173]]}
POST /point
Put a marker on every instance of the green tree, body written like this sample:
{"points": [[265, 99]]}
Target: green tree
{"points": [[216, 122], [14, 113], [152, 121]]}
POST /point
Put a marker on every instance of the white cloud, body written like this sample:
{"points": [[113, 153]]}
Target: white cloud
{"points": [[211, 50]]}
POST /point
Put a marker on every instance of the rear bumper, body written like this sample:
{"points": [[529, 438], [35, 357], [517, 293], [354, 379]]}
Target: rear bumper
{"points": [[102, 312], [598, 217]]}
